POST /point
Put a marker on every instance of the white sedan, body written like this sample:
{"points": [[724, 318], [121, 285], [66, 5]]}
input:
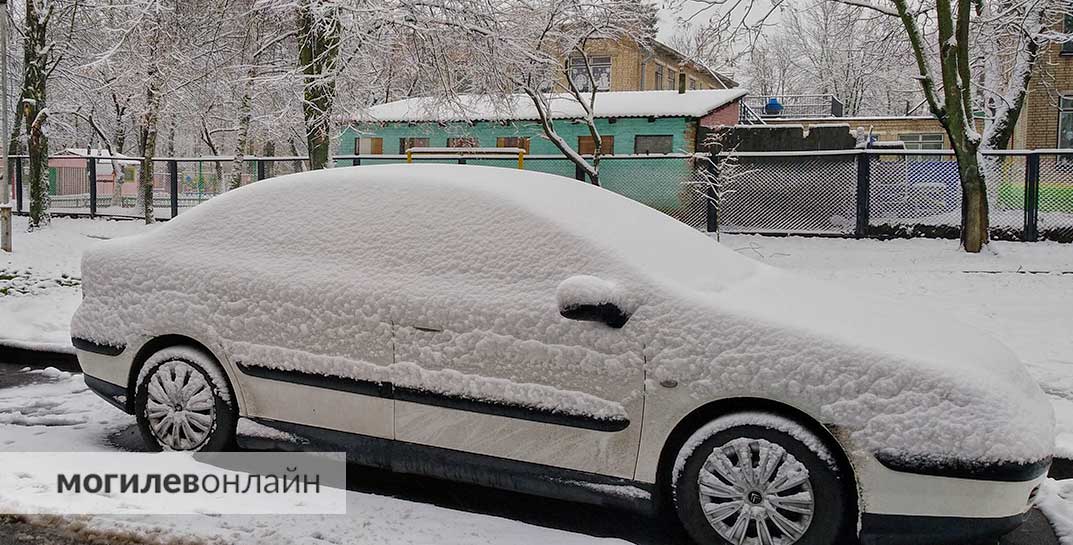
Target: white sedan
{"points": [[526, 331]]}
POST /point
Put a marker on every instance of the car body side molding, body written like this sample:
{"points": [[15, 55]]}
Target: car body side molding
{"points": [[436, 399], [1012, 472], [455, 465], [90, 346]]}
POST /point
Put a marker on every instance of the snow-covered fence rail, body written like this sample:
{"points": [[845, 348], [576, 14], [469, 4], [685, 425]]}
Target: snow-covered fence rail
{"points": [[854, 193]]}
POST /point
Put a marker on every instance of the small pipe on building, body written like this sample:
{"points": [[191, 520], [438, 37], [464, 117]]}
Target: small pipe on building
{"points": [[681, 82]]}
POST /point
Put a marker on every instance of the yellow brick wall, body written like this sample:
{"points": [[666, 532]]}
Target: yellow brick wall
{"points": [[1038, 125], [627, 58]]}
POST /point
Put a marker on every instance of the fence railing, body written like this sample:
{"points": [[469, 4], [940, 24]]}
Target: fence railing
{"points": [[849, 193], [893, 193]]}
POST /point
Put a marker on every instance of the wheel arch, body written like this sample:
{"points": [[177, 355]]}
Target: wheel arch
{"points": [[161, 342], [710, 411]]}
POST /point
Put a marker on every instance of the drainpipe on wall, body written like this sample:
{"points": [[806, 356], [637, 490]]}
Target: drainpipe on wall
{"points": [[644, 66]]}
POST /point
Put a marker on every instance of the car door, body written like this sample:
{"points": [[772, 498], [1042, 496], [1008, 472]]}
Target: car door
{"points": [[486, 363]]}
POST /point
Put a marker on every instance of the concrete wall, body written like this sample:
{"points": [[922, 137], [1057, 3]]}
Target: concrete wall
{"points": [[780, 137], [885, 129]]}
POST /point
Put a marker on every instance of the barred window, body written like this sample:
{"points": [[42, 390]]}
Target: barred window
{"points": [[462, 142], [408, 142], [644, 144], [513, 142]]}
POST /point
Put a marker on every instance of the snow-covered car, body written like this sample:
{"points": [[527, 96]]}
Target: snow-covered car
{"points": [[526, 331]]}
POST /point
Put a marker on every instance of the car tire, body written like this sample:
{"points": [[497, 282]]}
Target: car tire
{"points": [[183, 402], [800, 499]]}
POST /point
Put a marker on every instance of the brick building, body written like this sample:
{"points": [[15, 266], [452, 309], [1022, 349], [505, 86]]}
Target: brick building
{"points": [[626, 65], [1047, 118]]}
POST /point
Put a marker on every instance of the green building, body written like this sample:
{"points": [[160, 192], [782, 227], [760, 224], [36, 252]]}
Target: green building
{"points": [[658, 125]]}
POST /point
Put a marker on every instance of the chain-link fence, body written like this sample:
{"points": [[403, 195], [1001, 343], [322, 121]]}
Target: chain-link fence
{"points": [[862, 193]]}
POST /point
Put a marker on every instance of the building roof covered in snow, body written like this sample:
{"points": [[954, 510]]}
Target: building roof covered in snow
{"points": [[473, 107]]}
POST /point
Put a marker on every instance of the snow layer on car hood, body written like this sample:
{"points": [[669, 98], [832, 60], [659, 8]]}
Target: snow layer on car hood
{"points": [[916, 385]]}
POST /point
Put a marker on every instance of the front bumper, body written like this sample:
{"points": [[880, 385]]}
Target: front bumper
{"points": [[911, 506], [921, 530]]}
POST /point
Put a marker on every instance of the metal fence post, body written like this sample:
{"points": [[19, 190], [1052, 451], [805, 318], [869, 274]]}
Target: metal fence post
{"points": [[260, 169], [173, 185], [91, 172], [18, 184], [863, 190], [711, 202], [1031, 232]]}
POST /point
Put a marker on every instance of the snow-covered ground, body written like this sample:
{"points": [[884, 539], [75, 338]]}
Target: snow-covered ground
{"points": [[59, 414], [1022, 294]]}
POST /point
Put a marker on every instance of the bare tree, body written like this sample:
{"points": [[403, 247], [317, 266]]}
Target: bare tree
{"points": [[42, 53], [539, 50], [956, 83], [318, 53]]}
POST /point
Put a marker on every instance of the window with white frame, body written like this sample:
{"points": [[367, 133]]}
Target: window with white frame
{"points": [[601, 72], [922, 141], [1065, 122], [658, 81]]}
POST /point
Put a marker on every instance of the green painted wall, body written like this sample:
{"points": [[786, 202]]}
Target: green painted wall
{"points": [[624, 130], [655, 182]]}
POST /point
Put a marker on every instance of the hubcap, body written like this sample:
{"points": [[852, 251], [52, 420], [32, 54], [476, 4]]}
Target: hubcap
{"points": [[754, 492], [180, 408]]}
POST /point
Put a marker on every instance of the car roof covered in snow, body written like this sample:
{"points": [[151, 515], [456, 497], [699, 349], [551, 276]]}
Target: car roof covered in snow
{"points": [[475, 107], [641, 237]]}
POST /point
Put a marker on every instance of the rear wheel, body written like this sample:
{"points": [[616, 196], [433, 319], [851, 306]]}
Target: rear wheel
{"points": [[759, 479], [184, 403]]}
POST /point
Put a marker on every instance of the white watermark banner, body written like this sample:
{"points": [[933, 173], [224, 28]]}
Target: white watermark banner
{"points": [[172, 483]]}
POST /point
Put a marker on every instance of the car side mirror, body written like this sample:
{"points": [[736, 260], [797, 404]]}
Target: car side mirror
{"points": [[591, 299]]}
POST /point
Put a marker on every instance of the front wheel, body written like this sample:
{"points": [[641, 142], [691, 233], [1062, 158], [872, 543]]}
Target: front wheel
{"points": [[183, 402], [756, 478]]}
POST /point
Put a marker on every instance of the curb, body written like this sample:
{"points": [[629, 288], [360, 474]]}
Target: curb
{"points": [[39, 358]]}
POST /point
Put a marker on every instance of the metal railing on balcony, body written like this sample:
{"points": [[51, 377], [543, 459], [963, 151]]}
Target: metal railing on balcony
{"points": [[769, 106]]}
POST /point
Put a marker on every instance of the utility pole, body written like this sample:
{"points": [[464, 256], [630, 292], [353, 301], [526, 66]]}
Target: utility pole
{"points": [[5, 201]]}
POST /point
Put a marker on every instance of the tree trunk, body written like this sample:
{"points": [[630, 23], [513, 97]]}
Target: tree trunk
{"points": [[242, 139], [318, 49], [974, 209], [149, 128], [35, 112]]}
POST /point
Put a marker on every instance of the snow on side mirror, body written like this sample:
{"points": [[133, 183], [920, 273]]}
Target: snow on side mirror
{"points": [[591, 299]]}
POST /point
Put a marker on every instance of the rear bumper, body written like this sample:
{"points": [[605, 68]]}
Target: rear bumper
{"points": [[113, 394], [922, 530], [106, 370]]}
